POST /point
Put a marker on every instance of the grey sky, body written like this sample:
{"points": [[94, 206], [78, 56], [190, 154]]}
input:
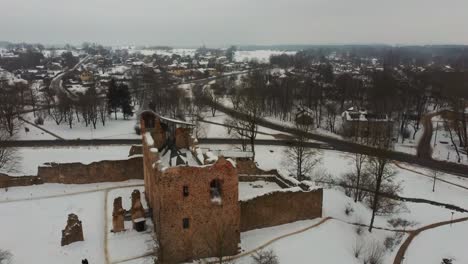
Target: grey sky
{"points": [[224, 22]]}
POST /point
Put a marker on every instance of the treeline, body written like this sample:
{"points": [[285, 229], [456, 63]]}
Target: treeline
{"points": [[452, 55]]}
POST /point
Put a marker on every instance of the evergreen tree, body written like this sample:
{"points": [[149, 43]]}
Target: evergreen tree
{"points": [[125, 101], [113, 98]]}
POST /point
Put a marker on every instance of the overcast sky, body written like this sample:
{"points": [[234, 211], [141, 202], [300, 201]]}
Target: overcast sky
{"points": [[225, 22]]}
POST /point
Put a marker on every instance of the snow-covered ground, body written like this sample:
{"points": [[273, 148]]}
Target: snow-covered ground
{"points": [[432, 246], [329, 243], [332, 242], [248, 190], [410, 145], [219, 131], [114, 129], [48, 190], [130, 243], [30, 158], [42, 219], [31, 228], [169, 52], [442, 146], [259, 55]]}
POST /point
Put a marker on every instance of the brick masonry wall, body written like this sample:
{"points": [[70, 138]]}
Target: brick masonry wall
{"points": [[78, 173], [100, 171], [280, 208], [210, 223], [9, 181]]}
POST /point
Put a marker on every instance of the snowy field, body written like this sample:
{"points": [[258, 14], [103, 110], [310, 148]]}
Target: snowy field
{"points": [[49, 190], [332, 242], [161, 52], [262, 56], [31, 230], [35, 224], [329, 243], [30, 158], [114, 129]]}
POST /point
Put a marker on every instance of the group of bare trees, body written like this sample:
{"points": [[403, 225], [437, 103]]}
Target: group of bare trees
{"points": [[89, 107], [10, 107]]}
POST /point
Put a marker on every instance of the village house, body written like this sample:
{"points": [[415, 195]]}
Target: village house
{"points": [[363, 124], [86, 76]]}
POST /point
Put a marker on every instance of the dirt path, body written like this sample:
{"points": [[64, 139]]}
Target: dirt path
{"points": [[424, 145], [400, 256], [324, 220], [243, 254], [398, 164], [69, 194]]}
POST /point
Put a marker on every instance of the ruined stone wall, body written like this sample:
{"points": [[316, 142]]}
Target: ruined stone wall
{"points": [[247, 166], [100, 171], [9, 181], [209, 221], [78, 173], [279, 208]]}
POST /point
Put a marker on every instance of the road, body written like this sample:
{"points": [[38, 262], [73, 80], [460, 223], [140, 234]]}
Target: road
{"points": [[424, 145], [334, 144], [347, 146], [149, 93], [56, 83]]}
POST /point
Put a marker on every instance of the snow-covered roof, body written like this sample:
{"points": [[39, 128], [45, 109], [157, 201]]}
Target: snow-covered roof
{"points": [[353, 114]]}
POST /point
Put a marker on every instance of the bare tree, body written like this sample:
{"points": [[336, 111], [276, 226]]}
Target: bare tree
{"points": [[102, 110], [435, 173], [8, 158], [246, 126], [332, 111], [265, 257], [359, 164], [448, 124], [10, 106], [380, 171], [300, 159], [234, 130]]}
